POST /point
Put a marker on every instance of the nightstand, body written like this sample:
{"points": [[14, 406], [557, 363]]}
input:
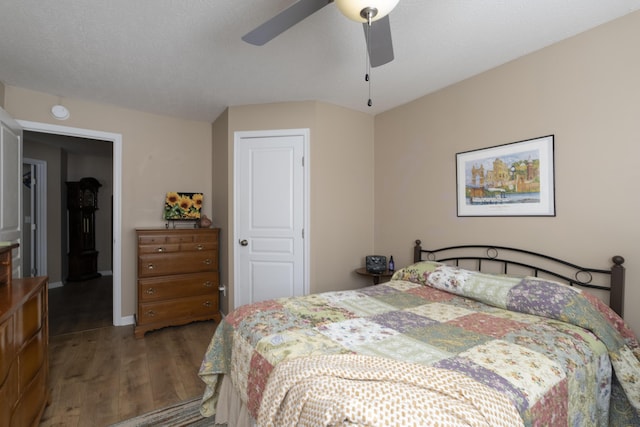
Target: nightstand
{"points": [[375, 277]]}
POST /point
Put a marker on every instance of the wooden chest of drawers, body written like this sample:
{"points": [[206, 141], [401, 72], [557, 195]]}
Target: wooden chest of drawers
{"points": [[24, 338], [177, 277]]}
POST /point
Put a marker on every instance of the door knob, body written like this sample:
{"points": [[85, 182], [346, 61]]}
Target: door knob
{"points": [[244, 242]]}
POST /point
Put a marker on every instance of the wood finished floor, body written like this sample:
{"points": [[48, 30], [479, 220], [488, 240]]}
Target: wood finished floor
{"points": [[81, 306], [100, 375]]}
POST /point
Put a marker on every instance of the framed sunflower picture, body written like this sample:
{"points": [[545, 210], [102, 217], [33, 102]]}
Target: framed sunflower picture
{"points": [[182, 206]]}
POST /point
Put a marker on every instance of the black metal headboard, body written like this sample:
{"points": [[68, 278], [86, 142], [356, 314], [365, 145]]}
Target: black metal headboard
{"points": [[611, 280]]}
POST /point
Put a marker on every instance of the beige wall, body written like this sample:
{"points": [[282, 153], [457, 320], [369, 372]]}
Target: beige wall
{"points": [[585, 91], [159, 153], [341, 145], [163, 153], [341, 197], [222, 197]]}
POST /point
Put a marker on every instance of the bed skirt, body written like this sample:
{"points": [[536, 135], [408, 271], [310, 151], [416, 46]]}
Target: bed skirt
{"points": [[230, 408]]}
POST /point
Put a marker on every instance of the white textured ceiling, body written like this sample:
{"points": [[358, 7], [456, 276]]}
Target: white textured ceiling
{"points": [[185, 58]]}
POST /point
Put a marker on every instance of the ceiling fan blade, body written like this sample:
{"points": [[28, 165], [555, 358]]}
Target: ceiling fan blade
{"points": [[284, 20], [379, 41]]}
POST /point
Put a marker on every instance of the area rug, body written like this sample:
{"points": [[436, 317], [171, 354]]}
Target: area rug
{"points": [[178, 415]]}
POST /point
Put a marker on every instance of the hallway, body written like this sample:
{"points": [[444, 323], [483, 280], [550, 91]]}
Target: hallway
{"points": [[81, 306]]}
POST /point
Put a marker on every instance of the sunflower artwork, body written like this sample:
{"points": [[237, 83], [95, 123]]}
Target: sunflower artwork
{"points": [[182, 206]]}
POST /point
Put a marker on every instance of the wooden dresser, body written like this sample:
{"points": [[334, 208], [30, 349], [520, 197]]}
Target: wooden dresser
{"points": [[24, 341], [177, 277]]}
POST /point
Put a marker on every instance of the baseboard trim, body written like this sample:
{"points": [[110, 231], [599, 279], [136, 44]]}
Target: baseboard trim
{"points": [[125, 320], [54, 285]]}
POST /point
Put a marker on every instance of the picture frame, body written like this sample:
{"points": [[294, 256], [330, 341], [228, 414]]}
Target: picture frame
{"points": [[180, 206], [514, 179]]}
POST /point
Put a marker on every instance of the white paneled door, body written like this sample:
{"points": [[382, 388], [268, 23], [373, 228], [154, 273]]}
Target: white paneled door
{"points": [[270, 215], [10, 181]]}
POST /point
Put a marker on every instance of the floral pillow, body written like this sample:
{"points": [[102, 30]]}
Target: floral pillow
{"points": [[417, 273]]}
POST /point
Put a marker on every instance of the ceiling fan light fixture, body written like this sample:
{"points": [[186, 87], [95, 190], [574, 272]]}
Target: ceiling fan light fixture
{"points": [[359, 10]]}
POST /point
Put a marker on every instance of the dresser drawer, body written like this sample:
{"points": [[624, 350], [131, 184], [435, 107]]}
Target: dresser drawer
{"points": [[8, 393], [32, 402], [23, 348], [164, 239], [183, 285], [150, 265], [30, 359], [7, 347], [159, 248], [198, 246], [30, 317], [191, 307]]}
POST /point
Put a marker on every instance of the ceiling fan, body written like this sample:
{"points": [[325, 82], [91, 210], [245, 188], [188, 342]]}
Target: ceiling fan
{"points": [[374, 15]]}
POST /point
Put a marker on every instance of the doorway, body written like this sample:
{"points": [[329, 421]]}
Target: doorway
{"points": [[34, 208], [116, 247]]}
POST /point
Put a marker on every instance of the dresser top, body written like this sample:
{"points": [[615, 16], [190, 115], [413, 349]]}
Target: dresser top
{"points": [[164, 230], [12, 297]]}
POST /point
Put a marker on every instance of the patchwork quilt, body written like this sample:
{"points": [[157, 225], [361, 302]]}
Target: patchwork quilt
{"points": [[558, 355]]}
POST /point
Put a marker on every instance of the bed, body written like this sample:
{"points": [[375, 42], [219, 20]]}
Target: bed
{"points": [[466, 335]]}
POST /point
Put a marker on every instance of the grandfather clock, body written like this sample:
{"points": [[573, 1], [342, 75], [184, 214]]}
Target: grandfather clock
{"points": [[82, 203]]}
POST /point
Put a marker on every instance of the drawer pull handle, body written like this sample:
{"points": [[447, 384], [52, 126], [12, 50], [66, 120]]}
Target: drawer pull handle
{"points": [[207, 284], [207, 303], [151, 313], [150, 291], [161, 249], [150, 267], [207, 261], [199, 247]]}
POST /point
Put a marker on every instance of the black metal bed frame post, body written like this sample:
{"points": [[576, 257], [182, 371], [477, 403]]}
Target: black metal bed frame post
{"points": [[417, 251], [616, 297]]}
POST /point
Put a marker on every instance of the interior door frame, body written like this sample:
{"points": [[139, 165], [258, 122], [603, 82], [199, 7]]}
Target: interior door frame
{"points": [[305, 133], [40, 196], [116, 139]]}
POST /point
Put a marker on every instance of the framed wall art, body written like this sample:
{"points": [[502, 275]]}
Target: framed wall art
{"points": [[515, 179], [182, 206]]}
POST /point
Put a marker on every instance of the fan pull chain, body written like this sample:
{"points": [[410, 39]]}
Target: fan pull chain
{"points": [[367, 76]]}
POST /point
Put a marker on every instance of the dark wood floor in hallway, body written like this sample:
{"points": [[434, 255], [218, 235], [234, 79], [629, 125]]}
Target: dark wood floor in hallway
{"points": [[81, 306], [101, 374]]}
